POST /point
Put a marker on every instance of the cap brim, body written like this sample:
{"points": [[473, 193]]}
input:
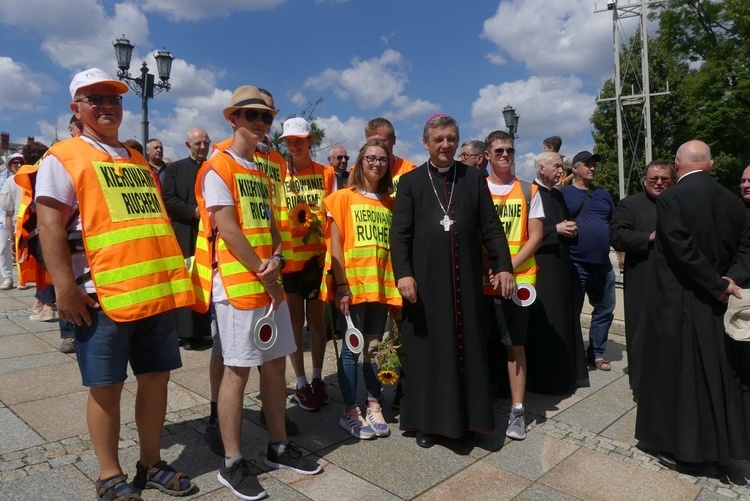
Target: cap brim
{"points": [[293, 135], [120, 87], [231, 109]]}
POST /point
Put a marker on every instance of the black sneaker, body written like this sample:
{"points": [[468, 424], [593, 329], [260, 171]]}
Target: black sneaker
{"points": [[292, 459], [241, 481], [291, 427], [213, 437]]}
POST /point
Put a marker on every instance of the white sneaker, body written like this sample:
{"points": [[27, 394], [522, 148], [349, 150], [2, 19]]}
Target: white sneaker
{"points": [[375, 419], [7, 284], [353, 422], [23, 287], [45, 314], [516, 424]]}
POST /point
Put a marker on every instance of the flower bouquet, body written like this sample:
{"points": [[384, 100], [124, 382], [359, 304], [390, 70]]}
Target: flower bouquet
{"points": [[387, 357]]}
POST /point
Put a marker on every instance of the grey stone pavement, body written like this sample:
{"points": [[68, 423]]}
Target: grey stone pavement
{"points": [[579, 446]]}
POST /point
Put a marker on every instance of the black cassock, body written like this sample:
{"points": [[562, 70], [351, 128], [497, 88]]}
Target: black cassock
{"points": [[444, 354], [178, 192], [693, 406], [632, 223], [554, 350]]}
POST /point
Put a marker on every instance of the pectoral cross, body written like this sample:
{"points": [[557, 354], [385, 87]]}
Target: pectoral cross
{"points": [[446, 222]]}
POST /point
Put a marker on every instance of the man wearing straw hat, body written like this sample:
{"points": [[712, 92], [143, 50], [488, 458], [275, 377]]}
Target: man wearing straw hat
{"points": [[237, 265]]}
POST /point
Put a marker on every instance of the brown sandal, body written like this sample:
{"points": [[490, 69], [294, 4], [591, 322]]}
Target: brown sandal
{"points": [[603, 365], [112, 490], [163, 477]]}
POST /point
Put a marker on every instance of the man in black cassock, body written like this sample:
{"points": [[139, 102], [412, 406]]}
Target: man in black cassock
{"points": [[632, 231], [442, 216], [178, 192], [693, 410], [554, 353]]}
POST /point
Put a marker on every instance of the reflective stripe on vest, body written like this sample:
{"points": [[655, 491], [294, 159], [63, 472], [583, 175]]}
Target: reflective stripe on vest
{"points": [[136, 263], [513, 212], [252, 191]]}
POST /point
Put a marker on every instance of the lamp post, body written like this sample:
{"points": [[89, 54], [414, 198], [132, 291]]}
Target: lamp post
{"points": [[511, 120], [144, 85]]}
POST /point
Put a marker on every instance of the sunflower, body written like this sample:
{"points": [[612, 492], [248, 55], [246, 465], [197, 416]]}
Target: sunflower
{"points": [[299, 215], [388, 377]]}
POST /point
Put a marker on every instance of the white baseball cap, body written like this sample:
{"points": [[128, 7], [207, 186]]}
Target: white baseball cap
{"points": [[296, 127], [94, 76]]}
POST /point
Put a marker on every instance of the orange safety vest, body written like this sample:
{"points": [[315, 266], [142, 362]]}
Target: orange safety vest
{"points": [[365, 225], [251, 190], [136, 263], [305, 191], [29, 269], [513, 212], [273, 165]]}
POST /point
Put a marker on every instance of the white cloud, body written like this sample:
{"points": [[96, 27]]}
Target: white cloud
{"points": [[546, 106], [406, 108], [370, 83], [552, 37], [20, 88], [298, 99], [180, 10]]}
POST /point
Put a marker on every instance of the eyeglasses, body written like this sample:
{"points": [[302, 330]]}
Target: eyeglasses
{"points": [[341, 157], [499, 151], [464, 156], [112, 100], [371, 159], [656, 179], [253, 115]]}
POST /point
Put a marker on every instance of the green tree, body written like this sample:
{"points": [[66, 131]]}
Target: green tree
{"points": [[714, 37]]}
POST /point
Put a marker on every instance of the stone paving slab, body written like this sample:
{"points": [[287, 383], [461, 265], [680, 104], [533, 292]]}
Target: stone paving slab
{"points": [[478, 481], [591, 415], [533, 457], [10, 328], [623, 430], [36, 383], [22, 319], [595, 476], [540, 492], [23, 344], [16, 434], [35, 360], [67, 483]]}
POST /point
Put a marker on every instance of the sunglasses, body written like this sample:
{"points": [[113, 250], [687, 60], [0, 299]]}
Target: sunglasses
{"points": [[253, 115], [500, 151], [341, 157], [113, 100]]}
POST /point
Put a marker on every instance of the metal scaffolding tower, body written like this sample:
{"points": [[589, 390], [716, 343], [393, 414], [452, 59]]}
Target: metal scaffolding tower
{"points": [[640, 93]]}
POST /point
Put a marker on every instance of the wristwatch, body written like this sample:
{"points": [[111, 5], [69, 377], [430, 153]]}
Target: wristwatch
{"points": [[281, 259]]}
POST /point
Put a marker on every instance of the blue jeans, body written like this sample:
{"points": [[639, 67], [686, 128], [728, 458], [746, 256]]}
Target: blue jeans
{"points": [[597, 281], [367, 317]]}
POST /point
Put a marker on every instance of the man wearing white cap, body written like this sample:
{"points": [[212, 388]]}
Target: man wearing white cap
{"points": [[237, 267], [95, 194]]}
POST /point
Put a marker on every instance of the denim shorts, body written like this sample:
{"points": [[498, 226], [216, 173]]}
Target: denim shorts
{"points": [[105, 347]]}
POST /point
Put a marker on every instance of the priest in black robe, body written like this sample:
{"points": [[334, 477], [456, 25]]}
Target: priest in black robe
{"points": [[442, 216], [693, 409], [554, 351], [632, 231], [178, 192]]}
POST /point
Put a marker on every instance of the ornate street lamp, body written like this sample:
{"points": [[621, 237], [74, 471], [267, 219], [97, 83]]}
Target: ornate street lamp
{"points": [[511, 120], [144, 85]]}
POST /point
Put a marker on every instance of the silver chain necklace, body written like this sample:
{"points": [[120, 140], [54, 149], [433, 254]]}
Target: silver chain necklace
{"points": [[446, 222]]}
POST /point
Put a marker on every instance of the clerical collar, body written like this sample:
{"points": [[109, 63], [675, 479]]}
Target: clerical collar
{"points": [[442, 170]]}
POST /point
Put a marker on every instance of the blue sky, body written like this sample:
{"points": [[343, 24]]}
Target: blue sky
{"points": [[401, 59]]}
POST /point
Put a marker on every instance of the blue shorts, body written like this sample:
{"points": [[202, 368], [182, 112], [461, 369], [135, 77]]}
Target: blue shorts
{"points": [[105, 347]]}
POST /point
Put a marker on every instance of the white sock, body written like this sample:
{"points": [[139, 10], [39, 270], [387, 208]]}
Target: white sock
{"points": [[518, 407], [317, 373], [301, 381]]}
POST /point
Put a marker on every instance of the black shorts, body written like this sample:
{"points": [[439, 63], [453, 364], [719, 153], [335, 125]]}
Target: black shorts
{"points": [[508, 320], [306, 282]]}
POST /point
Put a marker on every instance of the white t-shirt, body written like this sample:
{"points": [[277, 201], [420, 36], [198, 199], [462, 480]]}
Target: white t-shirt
{"points": [[536, 210], [53, 181], [217, 194]]}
